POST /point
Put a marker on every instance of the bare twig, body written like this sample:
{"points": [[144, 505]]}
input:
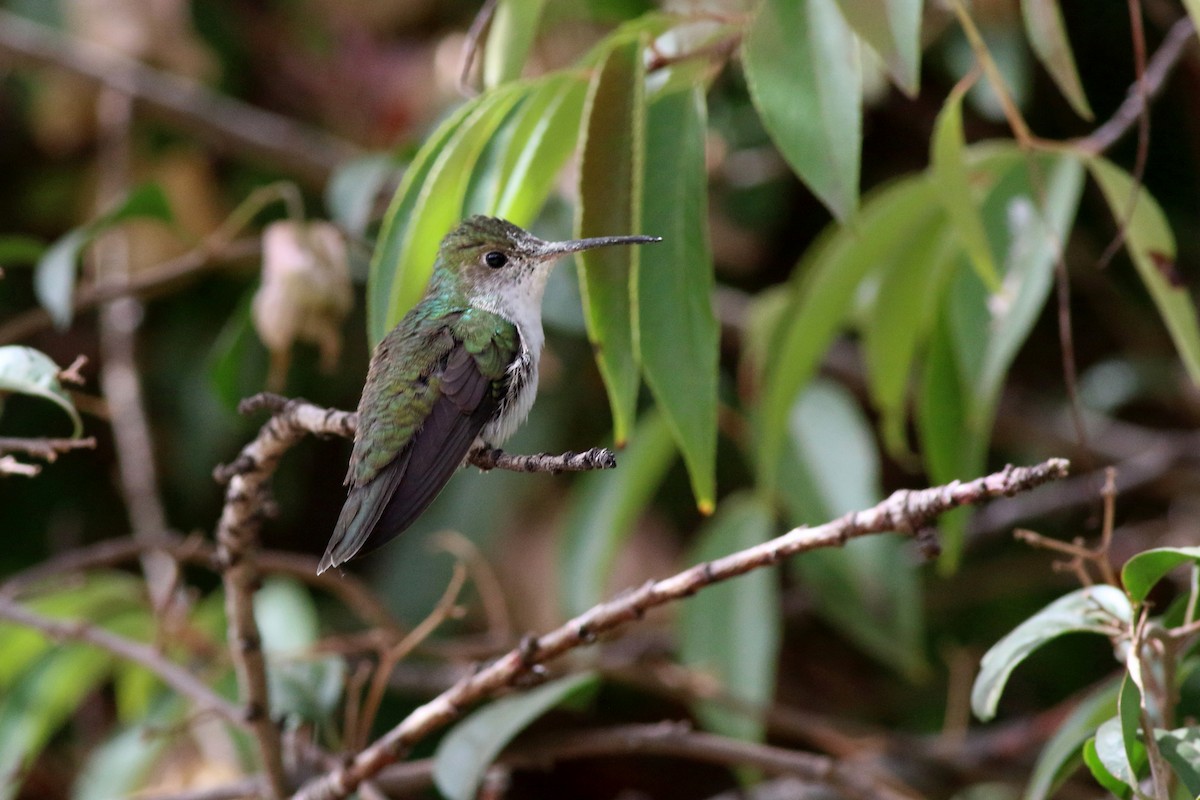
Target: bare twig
{"points": [[220, 121], [45, 449], [205, 256], [905, 511], [11, 466], [1148, 87], [175, 676], [596, 458]]}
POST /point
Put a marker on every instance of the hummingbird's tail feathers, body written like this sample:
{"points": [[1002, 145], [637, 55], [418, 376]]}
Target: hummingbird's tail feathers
{"points": [[360, 515]]}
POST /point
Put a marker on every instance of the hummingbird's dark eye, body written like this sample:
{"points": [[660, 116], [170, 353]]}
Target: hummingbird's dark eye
{"points": [[495, 259]]}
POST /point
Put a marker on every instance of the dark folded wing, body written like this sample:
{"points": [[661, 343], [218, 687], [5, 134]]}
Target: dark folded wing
{"points": [[379, 510]]}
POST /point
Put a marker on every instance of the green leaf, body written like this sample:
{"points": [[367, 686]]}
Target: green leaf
{"points": [[439, 202], [385, 261], [805, 79], [603, 508], [1093, 609], [1181, 749], [1144, 570], [831, 272], [545, 129], [610, 198], [675, 329], [869, 590], [55, 274], [731, 631], [514, 27], [1048, 36], [1095, 763], [118, 767], [894, 33], [16, 249], [27, 371], [901, 320], [948, 165], [1129, 720], [1151, 245], [1193, 9], [1062, 754], [351, 191], [300, 685], [41, 701], [472, 745]]}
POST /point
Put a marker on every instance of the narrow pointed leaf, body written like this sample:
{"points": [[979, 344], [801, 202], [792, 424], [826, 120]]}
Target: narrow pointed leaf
{"points": [[1106, 737], [510, 38], [27, 371], [901, 320], [894, 32], [604, 507], [472, 745], [731, 631], [1151, 245], [544, 131], [675, 328], [1181, 749], [16, 249], [805, 78], [610, 196], [1048, 36], [439, 203], [949, 169], [1093, 609], [385, 260], [830, 273], [1193, 9]]}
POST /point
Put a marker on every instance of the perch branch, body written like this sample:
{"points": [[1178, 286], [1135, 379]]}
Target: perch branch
{"points": [[905, 511], [221, 121], [45, 449], [175, 676]]}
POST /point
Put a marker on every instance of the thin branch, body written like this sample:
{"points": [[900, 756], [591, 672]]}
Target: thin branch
{"points": [[11, 466], [175, 676], [1143, 91], [221, 121], [596, 458], [905, 511], [45, 449], [207, 255]]}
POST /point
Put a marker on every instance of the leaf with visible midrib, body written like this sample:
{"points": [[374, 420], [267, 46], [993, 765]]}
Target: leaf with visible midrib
{"points": [[675, 328], [610, 204]]}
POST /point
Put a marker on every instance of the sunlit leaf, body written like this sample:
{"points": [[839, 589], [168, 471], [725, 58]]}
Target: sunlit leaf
{"points": [[1093, 609], [731, 631], [55, 275], [472, 745], [1048, 36], [604, 507], [1181, 749], [901, 319], [385, 262], [1151, 245], [511, 34], [894, 32], [1147, 568], [37, 705], [439, 203], [1062, 754], [805, 78], [24, 370], [545, 129], [948, 165], [610, 198], [870, 589], [830, 273], [675, 329]]}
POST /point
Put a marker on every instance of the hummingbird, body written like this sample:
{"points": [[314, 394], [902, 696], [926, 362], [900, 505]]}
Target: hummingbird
{"points": [[459, 370]]}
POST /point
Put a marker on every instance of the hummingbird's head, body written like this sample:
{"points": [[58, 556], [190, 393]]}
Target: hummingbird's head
{"points": [[491, 257]]}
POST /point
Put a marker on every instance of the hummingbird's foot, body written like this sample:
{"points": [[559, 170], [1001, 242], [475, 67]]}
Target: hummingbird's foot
{"points": [[487, 458]]}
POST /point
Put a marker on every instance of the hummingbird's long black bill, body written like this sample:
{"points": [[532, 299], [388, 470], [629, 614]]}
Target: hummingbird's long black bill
{"points": [[576, 245]]}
